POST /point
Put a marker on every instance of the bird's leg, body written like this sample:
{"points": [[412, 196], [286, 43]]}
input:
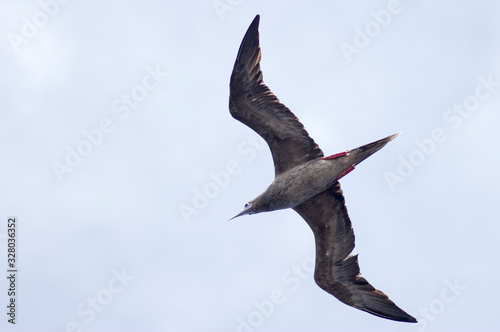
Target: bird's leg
{"points": [[344, 172], [339, 155], [335, 156]]}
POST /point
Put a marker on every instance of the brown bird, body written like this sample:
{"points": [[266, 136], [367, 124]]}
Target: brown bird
{"points": [[307, 182]]}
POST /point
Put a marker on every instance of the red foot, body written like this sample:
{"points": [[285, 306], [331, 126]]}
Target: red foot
{"points": [[334, 156], [349, 169]]}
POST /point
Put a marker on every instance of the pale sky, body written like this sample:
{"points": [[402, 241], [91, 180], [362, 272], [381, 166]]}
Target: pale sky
{"points": [[121, 162]]}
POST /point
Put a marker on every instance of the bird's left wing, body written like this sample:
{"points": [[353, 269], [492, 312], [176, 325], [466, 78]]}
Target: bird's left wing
{"points": [[252, 103], [337, 272]]}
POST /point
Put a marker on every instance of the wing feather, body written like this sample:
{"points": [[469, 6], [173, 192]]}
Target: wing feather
{"points": [[253, 103], [337, 271]]}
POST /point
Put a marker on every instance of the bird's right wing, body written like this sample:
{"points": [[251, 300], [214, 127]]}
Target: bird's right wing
{"points": [[252, 103], [337, 272]]}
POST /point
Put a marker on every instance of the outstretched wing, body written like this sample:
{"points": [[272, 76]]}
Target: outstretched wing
{"points": [[337, 272], [252, 103]]}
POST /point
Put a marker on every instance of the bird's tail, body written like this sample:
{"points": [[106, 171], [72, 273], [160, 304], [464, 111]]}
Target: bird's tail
{"points": [[357, 155]]}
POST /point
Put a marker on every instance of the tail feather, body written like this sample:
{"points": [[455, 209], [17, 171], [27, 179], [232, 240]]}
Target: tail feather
{"points": [[359, 154]]}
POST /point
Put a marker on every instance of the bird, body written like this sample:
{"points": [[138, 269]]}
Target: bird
{"points": [[306, 181]]}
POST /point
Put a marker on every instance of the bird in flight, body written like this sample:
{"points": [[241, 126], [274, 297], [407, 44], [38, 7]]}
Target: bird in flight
{"points": [[306, 181]]}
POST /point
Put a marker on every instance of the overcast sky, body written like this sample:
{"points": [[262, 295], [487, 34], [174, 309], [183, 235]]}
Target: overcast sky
{"points": [[121, 162]]}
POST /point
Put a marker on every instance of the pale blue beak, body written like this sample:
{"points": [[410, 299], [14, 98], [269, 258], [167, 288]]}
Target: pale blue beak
{"points": [[247, 210]]}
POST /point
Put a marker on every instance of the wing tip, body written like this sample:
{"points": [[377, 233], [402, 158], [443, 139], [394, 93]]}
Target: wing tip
{"points": [[256, 20], [390, 138], [396, 314], [250, 40]]}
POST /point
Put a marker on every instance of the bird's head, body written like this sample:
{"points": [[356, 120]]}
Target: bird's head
{"points": [[248, 209]]}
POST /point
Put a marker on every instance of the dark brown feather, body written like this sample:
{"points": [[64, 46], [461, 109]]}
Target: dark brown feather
{"points": [[252, 103], [336, 271]]}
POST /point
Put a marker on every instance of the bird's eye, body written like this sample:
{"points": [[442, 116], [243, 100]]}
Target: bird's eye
{"points": [[246, 205]]}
